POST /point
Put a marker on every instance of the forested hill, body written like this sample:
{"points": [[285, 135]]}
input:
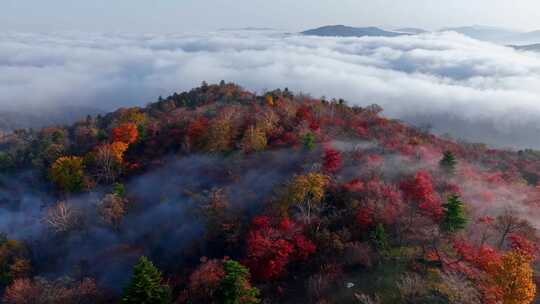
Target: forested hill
{"points": [[219, 195]]}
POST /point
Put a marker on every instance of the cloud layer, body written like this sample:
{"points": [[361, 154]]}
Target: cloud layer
{"points": [[471, 89]]}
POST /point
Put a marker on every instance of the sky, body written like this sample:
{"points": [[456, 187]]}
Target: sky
{"points": [[166, 16]]}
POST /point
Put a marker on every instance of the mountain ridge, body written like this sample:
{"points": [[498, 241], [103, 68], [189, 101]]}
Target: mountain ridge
{"points": [[348, 31]]}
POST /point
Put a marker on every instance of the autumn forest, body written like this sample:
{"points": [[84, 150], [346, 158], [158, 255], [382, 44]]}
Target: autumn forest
{"points": [[221, 195]]}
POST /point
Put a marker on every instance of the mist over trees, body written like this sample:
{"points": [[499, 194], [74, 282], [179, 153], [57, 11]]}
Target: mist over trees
{"points": [[221, 195]]}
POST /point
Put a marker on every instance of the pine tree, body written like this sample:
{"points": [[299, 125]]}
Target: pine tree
{"points": [[235, 287], [448, 162], [454, 215], [145, 286], [119, 189], [309, 141], [6, 162], [379, 238]]}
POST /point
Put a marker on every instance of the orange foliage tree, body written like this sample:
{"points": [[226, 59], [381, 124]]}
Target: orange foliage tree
{"points": [[126, 133], [514, 275], [502, 278], [118, 148], [515, 279]]}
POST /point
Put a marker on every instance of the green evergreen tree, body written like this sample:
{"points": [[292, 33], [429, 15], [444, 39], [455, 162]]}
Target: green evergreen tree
{"points": [[119, 189], [235, 287], [454, 215], [146, 286], [102, 135], [142, 133], [309, 141], [448, 162], [6, 162], [379, 238]]}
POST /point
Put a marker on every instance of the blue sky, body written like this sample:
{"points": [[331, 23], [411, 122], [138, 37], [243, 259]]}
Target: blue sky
{"points": [[201, 15]]}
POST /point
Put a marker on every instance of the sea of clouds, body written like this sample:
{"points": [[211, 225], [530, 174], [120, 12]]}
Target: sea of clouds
{"points": [[470, 89]]}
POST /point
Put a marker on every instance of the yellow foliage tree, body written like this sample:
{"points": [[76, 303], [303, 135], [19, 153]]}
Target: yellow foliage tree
{"points": [[131, 115], [269, 100], [305, 192], [254, 140], [67, 173], [220, 134], [266, 120], [515, 278]]}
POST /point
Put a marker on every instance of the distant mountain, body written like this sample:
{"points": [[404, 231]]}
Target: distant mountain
{"points": [[526, 38], [411, 30], [347, 31], [498, 35], [483, 130], [38, 118], [249, 28], [485, 33], [529, 47]]}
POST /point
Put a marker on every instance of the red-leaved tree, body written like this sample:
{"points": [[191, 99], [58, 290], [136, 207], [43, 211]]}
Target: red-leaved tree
{"points": [[272, 245], [331, 160], [419, 190]]}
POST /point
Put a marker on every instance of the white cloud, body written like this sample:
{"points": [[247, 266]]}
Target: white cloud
{"points": [[444, 78]]}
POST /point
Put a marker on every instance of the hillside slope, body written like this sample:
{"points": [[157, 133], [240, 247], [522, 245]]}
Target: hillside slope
{"points": [[239, 198], [485, 33]]}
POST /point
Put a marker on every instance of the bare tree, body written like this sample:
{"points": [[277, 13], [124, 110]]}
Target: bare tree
{"points": [[62, 217], [357, 253], [112, 209], [459, 289], [107, 164], [508, 223], [43, 291], [318, 285], [411, 287], [366, 299]]}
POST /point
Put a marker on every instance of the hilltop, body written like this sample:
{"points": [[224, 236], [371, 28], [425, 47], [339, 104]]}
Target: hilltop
{"points": [[221, 195], [347, 31]]}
